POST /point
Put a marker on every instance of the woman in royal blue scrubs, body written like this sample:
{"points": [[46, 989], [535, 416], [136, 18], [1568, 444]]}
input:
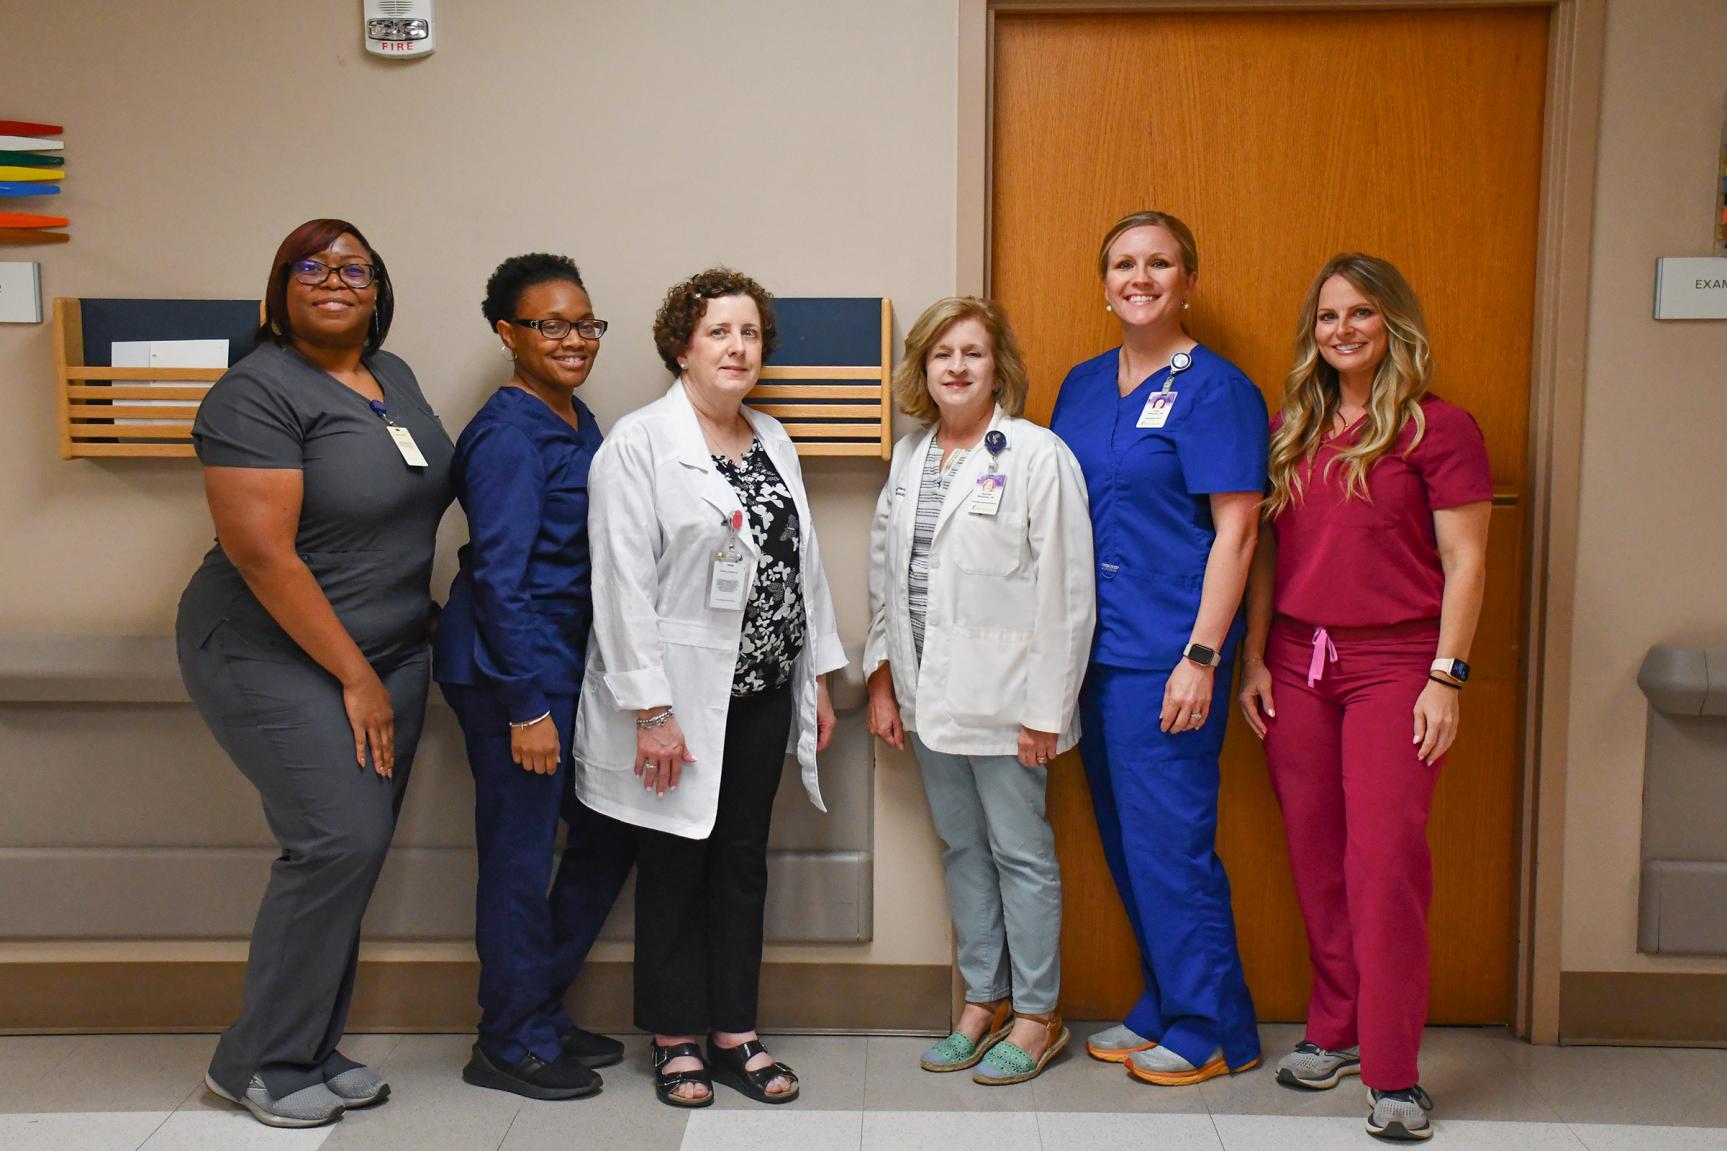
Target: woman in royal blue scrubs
{"points": [[1172, 440], [509, 657]]}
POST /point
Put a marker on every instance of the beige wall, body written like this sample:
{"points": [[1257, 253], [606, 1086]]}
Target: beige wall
{"points": [[808, 144], [1652, 532]]}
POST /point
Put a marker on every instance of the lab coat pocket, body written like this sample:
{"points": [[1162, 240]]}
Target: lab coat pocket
{"points": [[990, 545], [986, 673]]}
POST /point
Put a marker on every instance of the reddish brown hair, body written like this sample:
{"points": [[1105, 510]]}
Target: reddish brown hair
{"points": [[309, 238], [686, 303]]}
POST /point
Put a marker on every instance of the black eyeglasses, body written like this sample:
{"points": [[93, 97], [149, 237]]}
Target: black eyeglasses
{"points": [[558, 329], [315, 272]]}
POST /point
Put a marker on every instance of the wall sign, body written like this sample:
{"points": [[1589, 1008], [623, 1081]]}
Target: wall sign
{"points": [[20, 292], [1691, 288]]}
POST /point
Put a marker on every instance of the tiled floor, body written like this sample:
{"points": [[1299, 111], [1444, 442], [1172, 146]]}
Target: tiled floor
{"points": [[146, 1093]]}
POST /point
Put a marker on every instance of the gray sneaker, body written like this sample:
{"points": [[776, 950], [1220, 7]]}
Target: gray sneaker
{"points": [[358, 1087], [1315, 1068], [1400, 1114], [1116, 1044], [312, 1106]]}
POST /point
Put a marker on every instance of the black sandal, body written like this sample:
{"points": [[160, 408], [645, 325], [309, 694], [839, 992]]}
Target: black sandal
{"points": [[666, 1083], [728, 1065]]}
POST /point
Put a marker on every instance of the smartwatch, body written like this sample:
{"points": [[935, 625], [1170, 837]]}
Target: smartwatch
{"points": [[1202, 655], [1455, 668]]}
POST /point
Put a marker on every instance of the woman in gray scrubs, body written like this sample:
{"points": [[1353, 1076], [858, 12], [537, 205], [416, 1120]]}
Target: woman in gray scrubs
{"points": [[303, 641]]}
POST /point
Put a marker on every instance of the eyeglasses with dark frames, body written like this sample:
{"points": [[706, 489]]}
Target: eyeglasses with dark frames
{"points": [[315, 272], [555, 329]]}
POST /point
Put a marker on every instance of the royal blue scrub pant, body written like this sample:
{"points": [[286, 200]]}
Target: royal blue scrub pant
{"points": [[532, 941], [1155, 795]]}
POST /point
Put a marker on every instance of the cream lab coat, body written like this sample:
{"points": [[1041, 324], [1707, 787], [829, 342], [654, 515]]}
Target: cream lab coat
{"points": [[1007, 628], [658, 510]]}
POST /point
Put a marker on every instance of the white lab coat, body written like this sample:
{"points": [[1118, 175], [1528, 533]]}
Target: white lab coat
{"points": [[1007, 627], [658, 510]]}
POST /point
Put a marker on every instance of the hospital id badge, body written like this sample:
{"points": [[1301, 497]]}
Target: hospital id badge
{"points": [[986, 500], [1158, 405], [405, 444], [728, 581], [728, 578]]}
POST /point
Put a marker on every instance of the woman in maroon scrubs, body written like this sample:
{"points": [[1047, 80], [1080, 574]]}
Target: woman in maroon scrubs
{"points": [[1365, 591]]}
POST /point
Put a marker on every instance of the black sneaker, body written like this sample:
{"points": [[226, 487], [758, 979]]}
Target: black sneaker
{"points": [[593, 1050], [566, 1078], [1400, 1114]]}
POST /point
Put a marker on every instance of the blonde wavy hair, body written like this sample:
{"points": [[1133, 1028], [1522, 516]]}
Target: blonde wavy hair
{"points": [[1311, 395], [911, 383]]}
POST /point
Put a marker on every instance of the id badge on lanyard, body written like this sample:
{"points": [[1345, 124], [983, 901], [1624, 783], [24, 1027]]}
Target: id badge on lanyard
{"points": [[728, 575], [1160, 404], [986, 500], [402, 437]]}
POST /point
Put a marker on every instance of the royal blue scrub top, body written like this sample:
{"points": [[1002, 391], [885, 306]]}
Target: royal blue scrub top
{"points": [[1150, 488], [517, 621]]}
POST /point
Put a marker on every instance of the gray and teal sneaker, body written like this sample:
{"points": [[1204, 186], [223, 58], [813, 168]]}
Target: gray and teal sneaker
{"points": [[312, 1106], [1315, 1068], [1400, 1115]]}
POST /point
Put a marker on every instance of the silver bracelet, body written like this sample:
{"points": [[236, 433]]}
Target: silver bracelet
{"points": [[531, 722], [654, 721]]}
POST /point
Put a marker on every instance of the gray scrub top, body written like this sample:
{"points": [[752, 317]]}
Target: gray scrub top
{"points": [[368, 521]]}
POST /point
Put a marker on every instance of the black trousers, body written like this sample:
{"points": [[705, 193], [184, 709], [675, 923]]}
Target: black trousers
{"points": [[699, 901]]}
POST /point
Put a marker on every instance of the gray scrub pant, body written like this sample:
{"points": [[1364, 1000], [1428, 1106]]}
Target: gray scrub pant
{"points": [[1003, 885], [283, 724]]}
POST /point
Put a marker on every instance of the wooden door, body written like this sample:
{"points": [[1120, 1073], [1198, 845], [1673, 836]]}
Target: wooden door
{"points": [[1281, 138]]}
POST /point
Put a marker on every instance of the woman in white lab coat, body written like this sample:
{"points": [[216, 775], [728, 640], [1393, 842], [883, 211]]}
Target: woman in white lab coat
{"points": [[981, 612], [713, 632]]}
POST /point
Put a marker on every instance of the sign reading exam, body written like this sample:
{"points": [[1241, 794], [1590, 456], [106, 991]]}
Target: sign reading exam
{"points": [[1691, 288]]}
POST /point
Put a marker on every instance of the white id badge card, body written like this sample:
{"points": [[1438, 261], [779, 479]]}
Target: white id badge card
{"points": [[986, 500], [728, 583], [1158, 405], [406, 445]]}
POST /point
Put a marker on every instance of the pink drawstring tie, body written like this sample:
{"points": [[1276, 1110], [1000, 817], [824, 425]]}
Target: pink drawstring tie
{"points": [[1323, 649]]}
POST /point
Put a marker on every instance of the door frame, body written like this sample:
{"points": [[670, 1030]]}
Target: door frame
{"points": [[1575, 48]]}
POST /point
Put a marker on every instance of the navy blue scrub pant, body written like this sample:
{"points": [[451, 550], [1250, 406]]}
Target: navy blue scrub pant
{"points": [[533, 931], [1155, 795]]}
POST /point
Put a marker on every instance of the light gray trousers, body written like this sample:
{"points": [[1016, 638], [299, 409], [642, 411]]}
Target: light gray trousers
{"points": [[1003, 885], [284, 725]]}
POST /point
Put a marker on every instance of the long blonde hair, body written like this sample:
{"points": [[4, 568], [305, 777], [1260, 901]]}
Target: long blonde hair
{"points": [[1311, 394]]}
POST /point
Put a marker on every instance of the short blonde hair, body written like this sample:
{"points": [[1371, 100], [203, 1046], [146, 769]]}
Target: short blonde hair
{"points": [[911, 382]]}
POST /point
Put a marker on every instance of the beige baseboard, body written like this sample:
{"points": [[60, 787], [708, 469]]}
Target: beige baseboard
{"points": [[1636, 1008], [40, 998]]}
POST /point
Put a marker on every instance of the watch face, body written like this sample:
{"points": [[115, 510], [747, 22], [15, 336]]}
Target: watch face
{"points": [[1460, 671]]}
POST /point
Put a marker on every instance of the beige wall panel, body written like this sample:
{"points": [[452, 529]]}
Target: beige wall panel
{"points": [[1652, 531], [810, 145]]}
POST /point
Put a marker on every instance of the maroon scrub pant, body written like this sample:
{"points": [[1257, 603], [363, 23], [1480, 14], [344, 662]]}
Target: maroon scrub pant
{"points": [[1355, 800]]}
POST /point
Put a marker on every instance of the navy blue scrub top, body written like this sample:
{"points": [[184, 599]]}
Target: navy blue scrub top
{"points": [[1150, 487], [520, 606]]}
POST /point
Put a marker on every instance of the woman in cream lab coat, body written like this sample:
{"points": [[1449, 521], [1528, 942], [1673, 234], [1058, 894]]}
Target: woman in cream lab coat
{"points": [[982, 605], [713, 632]]}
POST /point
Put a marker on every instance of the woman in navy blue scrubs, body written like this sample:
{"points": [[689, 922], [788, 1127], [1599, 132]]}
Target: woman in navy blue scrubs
{"points": [[509, 658], [1172, 440]]}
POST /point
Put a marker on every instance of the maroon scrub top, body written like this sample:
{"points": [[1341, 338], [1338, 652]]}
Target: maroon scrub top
{"points": [[1375, 562]]}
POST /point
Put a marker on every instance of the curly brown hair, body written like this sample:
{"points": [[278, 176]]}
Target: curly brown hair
{"points": [[686, 303]]}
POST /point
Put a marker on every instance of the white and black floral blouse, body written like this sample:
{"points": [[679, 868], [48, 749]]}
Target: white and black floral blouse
{"points": [[773, 635]]}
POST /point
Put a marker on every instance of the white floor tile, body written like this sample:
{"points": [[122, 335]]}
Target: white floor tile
{"points": [[1278, 1133], [781, 1129], [1616, 1137], [945, 1130], [79, 1131], [231, 1131], [1092, 1130]]}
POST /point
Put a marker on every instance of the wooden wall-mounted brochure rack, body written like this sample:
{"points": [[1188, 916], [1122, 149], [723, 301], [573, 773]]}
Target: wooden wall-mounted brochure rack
{"points": [[108, 412], [830, 380]]}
